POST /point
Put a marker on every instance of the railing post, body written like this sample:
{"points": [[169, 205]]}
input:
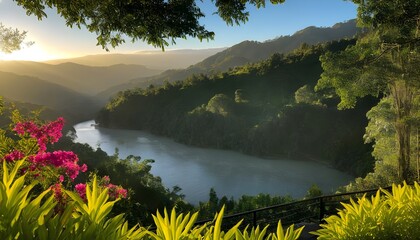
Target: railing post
{"points": [[254, 218], [321, 208]]}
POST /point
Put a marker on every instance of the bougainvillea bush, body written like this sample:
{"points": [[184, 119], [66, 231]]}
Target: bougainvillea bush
{"points": [[28, 141], [39, 198]]}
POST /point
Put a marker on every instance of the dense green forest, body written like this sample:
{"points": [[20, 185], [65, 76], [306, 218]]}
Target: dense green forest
{"points": [[267, 109], [243, 53]]}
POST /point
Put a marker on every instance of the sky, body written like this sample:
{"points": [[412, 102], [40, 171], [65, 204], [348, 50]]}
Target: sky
{"points": [[53, 39]]}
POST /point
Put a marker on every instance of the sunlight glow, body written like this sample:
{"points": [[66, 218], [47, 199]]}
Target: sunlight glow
{"points": [[32, 53]]}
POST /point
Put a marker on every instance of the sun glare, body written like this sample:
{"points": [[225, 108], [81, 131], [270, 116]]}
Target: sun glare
{"points": [[32, 53]]}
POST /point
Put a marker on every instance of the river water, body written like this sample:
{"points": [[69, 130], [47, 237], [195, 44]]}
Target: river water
{"points": [[196, 170]]}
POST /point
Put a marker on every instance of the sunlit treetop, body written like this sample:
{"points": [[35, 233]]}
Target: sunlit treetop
{"points": [[403, 15], [11, 39], [156, 22]]}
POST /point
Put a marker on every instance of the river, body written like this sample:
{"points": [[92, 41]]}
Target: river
{"points": [[196, 170]]}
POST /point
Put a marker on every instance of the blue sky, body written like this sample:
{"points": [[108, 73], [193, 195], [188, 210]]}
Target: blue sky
{"points": [[53, 39]]}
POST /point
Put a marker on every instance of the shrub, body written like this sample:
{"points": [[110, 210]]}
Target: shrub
{"points": [[35, 217], [387, 215], [174, 227]]}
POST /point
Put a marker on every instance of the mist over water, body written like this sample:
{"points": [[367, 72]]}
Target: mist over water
{"points": [[196, 170]]}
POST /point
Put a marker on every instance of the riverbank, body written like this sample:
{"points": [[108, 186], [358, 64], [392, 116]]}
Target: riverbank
{"points": [[197, 170]]}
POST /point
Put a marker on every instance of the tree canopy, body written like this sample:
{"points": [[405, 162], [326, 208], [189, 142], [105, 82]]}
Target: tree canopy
{"points": [[157, 22], [384, 63], [11, 39]]}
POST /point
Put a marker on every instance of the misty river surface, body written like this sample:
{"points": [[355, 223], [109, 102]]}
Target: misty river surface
{"points": [[196, 170]]}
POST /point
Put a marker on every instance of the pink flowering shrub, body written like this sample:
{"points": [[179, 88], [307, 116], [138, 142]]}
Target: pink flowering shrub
{"points": [[114, 191], [48, 133], [47, 167], [51, 169]]}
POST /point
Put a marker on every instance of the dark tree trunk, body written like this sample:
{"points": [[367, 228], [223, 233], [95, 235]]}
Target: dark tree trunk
{"points": [[403, 102]]}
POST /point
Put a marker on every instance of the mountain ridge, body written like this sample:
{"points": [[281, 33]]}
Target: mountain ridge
{"points": [[243, 53], [172, 59], [81, 78], [28, 89]]}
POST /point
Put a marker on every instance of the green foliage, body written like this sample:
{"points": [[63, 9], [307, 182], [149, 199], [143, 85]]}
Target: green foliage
{"points": [[25, 216], [11, 39], [147, 192], [387, 215], [174, 227], [251, 109], [308, 96], [314, 191], [383, 62], [156, 22], [243, 204]]}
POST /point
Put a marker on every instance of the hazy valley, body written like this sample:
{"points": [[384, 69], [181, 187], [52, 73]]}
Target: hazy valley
{"points": [[316, 128]]}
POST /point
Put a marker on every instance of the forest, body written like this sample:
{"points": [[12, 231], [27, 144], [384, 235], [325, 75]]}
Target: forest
{"points": [[353, 103], [266, 109]]}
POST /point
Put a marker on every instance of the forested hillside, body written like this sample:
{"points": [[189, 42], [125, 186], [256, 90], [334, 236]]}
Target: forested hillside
{"points": [[26, 109], [243, 53], [257, 108]]}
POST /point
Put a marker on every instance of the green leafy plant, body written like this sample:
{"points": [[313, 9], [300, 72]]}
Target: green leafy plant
{"points": [[175, 226], [290, 234], [35, 217], [387, 215], [255, 233], [20, 216]]}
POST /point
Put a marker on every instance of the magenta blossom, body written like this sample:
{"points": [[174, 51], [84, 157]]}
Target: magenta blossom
{"points": [[81, 190], [13, 156], [49, 133], [115, 191], [59, 159], [106, 180]]}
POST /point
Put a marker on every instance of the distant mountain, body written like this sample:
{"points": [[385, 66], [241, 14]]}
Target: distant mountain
{"points": [[25, 108], [172, 59], [84, 79], [252, 51], [245, 52], [33, 90]]}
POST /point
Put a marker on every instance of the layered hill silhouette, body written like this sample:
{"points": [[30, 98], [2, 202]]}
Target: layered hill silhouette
{"points": [[25, 109], [27, 89], [172, 59], [83, 79], [243, 53]]}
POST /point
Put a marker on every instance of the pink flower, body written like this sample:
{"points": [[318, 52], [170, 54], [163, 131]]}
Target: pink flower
{"points": [[115, 191], [81, 190], [15, 155], [121, 192], [83, 168], [60, 159], [106, 180], [49, 133], [58, 192], [61, 178]]}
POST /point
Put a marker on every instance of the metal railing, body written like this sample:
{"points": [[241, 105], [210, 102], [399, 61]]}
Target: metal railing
{"points": [[312, 210]]}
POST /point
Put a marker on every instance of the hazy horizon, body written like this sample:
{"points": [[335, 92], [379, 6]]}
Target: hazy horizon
{"points": [[53, 40]]}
